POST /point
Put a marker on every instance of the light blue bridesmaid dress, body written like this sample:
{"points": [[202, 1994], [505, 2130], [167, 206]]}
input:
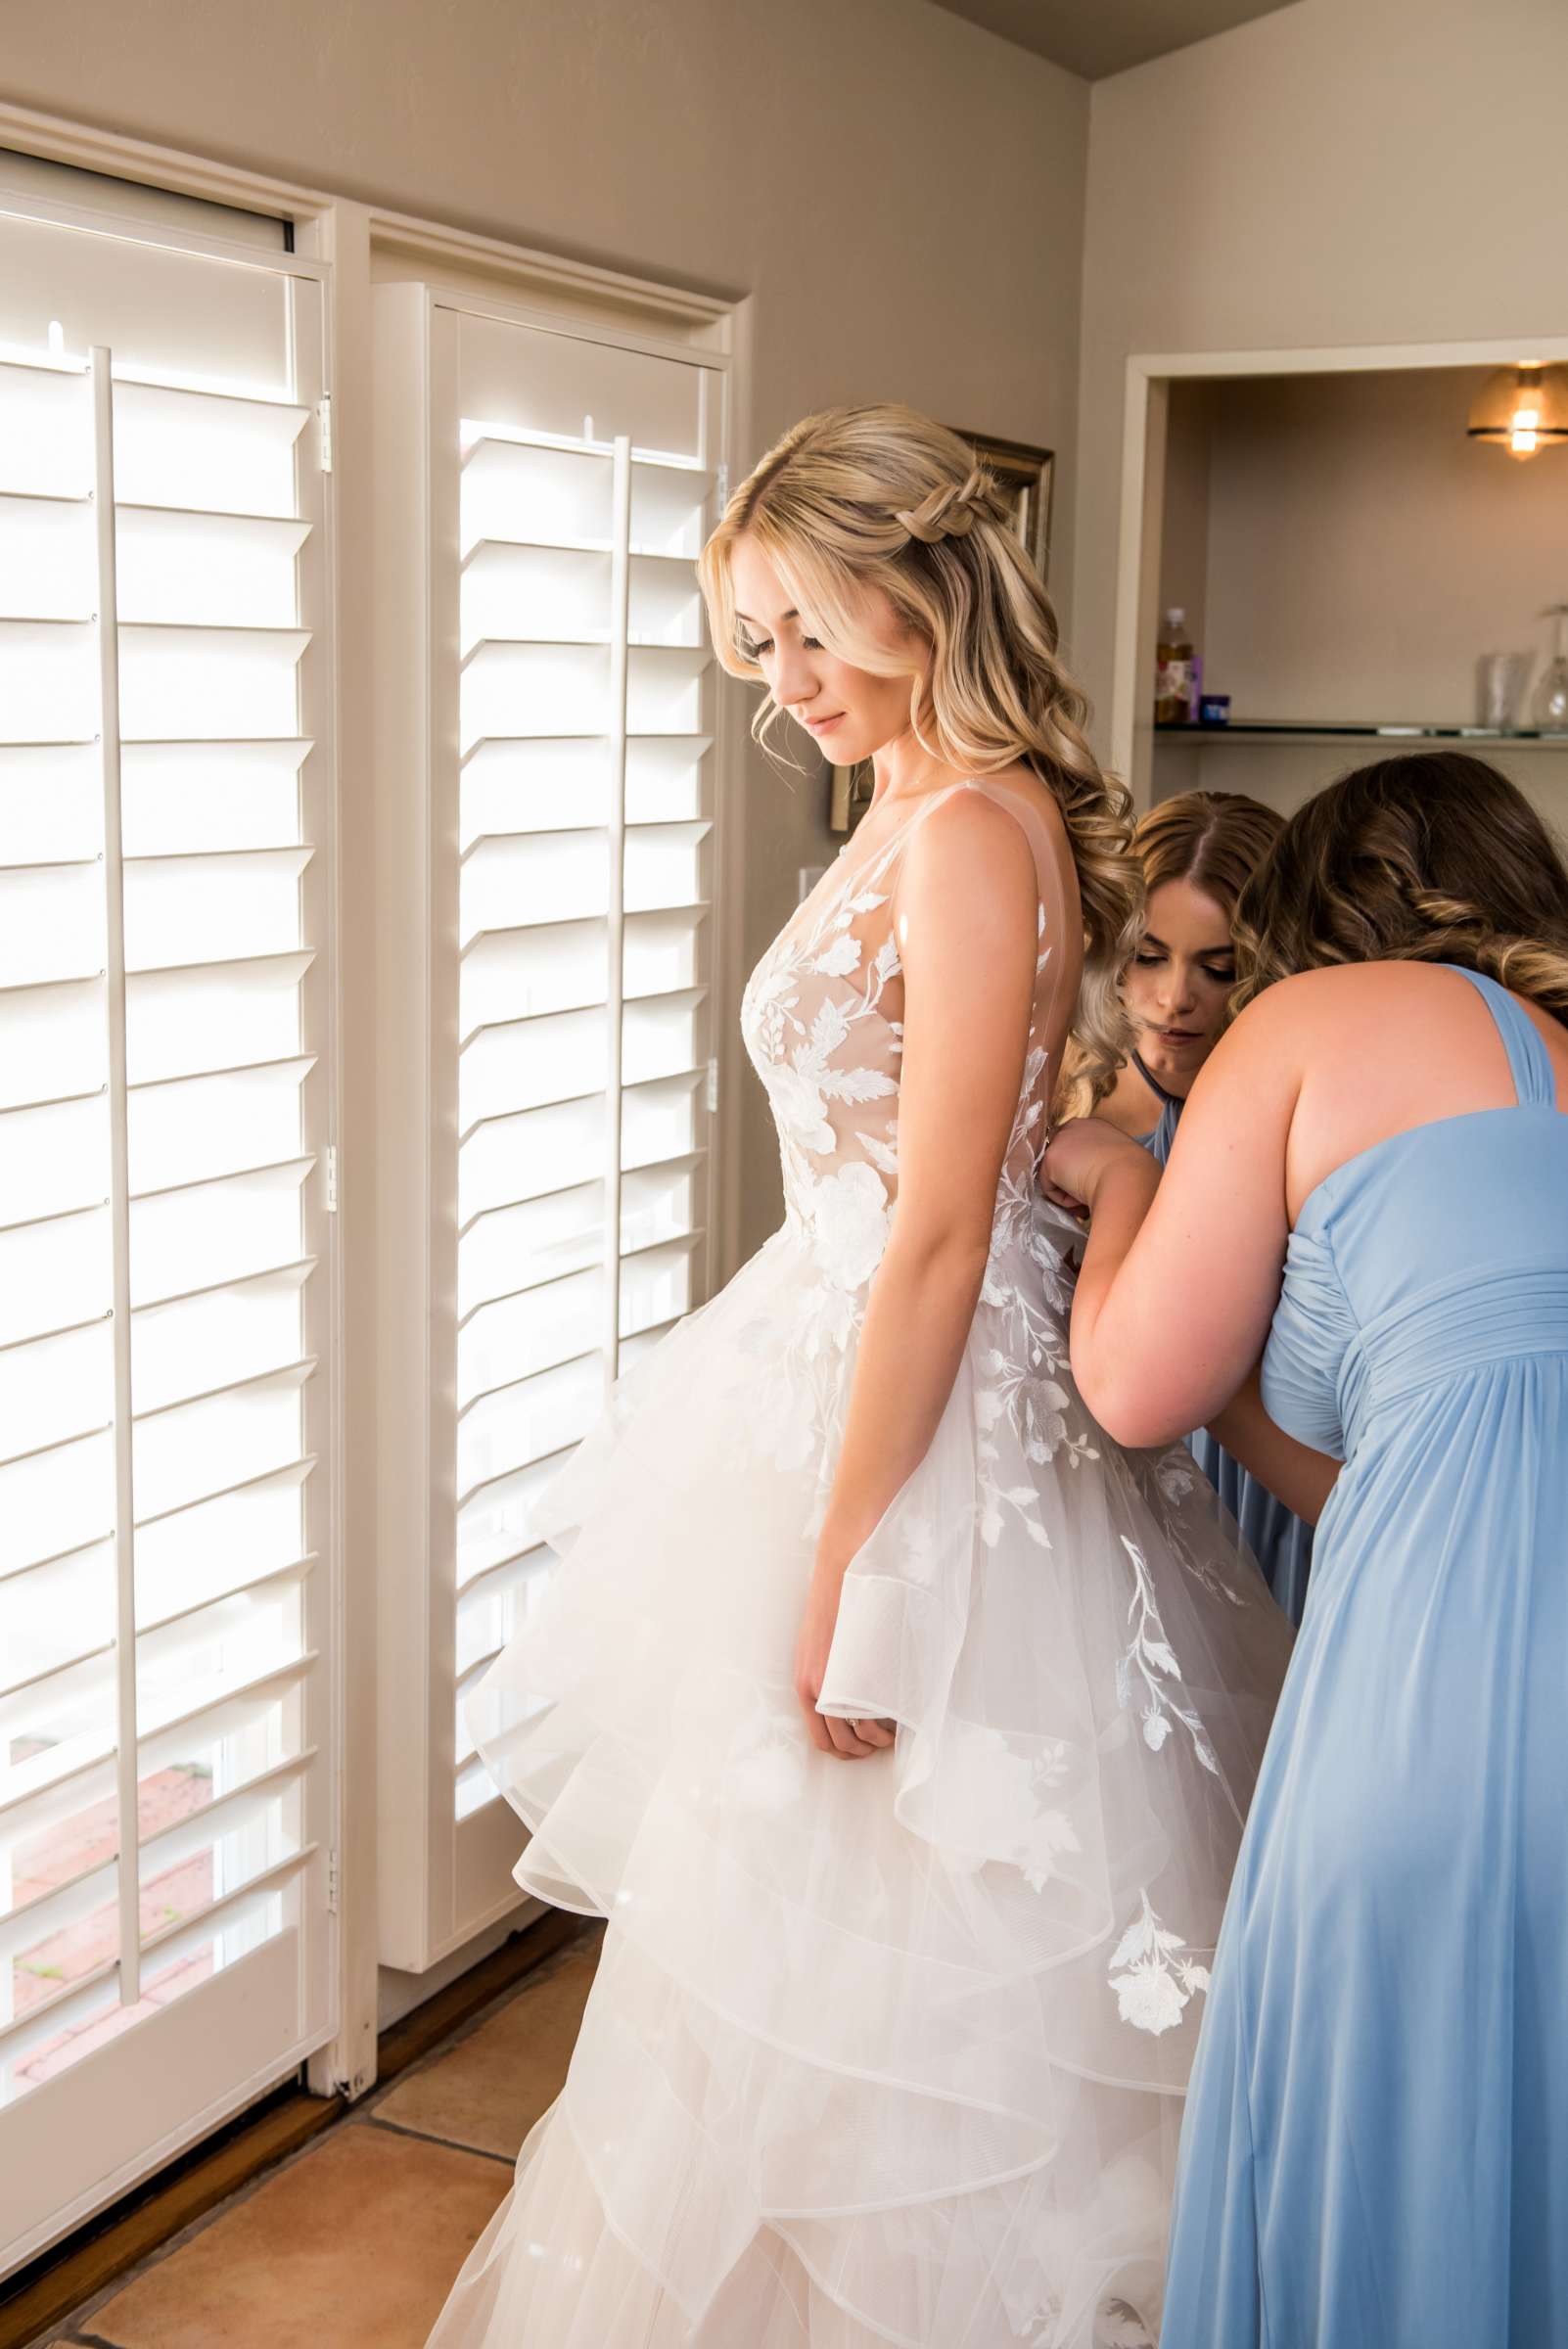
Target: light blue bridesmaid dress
{"points": [[1375, 2148], [1280, 1541]]}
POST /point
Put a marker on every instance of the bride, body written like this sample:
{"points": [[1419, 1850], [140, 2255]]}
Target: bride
{"points": [[893, 2052]]}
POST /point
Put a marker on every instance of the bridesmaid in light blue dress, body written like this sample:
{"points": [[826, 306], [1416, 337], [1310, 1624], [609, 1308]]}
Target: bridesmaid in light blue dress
{"points": [[1198, 851], [1375, 2148]]}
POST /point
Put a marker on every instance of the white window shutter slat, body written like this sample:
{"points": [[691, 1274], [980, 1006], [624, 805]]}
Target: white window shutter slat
{"points": [[528, 788], [215, 570], [57, 1386], [498, 1524], [46, 558], [45, 432], [192, 797], [48, 671], [51, 803], [210, 452], [52, 1275]]}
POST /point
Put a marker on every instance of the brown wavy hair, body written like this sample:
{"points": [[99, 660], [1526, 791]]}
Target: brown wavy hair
{"points": [[1433, 858], [881, 497], [1216, 840], [1213, 838]]}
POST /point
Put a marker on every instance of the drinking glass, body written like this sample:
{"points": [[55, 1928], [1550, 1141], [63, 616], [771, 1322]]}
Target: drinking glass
{"points": [[1549, 709], [1501, 679]]}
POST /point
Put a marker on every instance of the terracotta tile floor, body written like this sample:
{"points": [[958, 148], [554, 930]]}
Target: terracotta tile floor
{"points": [[352, 2243]]}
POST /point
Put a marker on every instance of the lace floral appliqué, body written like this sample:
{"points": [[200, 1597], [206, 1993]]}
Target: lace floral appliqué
{"points": [[995, 1796], [1149, 1664], [1151, 1978]]}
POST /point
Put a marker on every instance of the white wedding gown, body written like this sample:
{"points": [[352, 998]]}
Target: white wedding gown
{"points": [[891, 2050]]}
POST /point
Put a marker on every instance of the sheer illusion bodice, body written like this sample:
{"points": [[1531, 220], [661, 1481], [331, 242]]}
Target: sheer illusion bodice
{"points": [[888, 2052], [822, 1017]]}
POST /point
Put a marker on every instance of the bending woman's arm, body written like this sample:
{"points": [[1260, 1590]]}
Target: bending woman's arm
{"points": [[1180, 1278], [966, 913]]}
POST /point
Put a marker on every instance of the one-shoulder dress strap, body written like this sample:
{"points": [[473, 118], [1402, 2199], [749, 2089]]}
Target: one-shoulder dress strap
{"points": [[1534, 1080]]}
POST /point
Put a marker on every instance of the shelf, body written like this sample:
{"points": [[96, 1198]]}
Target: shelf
{"points": [[1309, 731]]}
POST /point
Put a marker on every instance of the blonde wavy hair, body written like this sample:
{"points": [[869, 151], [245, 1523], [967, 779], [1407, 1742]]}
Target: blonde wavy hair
{"points": [[1434, 857], [882, 498]]}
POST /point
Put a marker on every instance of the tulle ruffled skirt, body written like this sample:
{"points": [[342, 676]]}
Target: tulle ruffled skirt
{"points": [[891, 2051]]}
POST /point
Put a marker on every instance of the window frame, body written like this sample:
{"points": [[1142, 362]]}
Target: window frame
{"points": [[352, 243], [441, 1880]]}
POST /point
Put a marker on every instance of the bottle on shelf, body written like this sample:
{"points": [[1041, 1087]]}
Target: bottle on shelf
{"points": [[1175, 672], [1549, 710]]}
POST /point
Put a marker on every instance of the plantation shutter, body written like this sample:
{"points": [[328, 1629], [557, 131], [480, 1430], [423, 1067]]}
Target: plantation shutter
{"points": [[162, 1228], [567, 723]]}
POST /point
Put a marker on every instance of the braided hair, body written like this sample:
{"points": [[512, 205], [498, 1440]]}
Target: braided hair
{"points": [[880, 498], [1434, 857], [951, 510]]}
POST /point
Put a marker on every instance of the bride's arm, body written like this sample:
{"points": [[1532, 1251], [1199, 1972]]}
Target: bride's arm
{"points": [[966, 911]]}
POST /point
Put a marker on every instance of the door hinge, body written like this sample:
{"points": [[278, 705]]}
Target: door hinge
{"points": [[324, 414], [721, 486], [332, 1178], [332, 1883], [713, 1084]]}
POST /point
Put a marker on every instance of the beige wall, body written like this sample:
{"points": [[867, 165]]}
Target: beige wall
{"points": [[1359, 552], [1345, 172], [901, 192]]}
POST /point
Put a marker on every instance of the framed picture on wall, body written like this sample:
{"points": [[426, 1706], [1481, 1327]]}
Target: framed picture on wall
{"points": [[1024, 474], [848, 794]]}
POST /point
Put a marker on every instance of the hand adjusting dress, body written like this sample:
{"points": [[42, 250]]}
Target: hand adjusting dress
{"points": [[1376, 2144], [891, 2050]]}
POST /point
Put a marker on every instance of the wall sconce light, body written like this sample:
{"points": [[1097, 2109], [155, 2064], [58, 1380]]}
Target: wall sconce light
{"points": [[1522, 409]]}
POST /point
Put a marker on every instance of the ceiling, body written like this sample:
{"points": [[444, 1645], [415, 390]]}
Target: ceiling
{"points": [[1096, 37]]}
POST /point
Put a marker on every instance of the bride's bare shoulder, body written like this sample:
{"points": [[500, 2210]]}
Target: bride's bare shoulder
{"points": [[970, 851], [1016, 788], [1022, 780], [970, 817]]}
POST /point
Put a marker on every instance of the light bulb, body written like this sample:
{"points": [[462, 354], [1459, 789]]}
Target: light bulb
{"points": [[1522, 408]]}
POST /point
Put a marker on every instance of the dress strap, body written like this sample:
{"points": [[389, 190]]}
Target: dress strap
{"points": [[1165, 1099], [1534, 1080]]}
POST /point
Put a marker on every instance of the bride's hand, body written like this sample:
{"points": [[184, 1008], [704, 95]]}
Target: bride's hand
{"points": [[1079, 1155], [851, 1740]]}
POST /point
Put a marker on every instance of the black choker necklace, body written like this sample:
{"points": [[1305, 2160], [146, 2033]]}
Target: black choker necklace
{"points": [[1171, 1100]]}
